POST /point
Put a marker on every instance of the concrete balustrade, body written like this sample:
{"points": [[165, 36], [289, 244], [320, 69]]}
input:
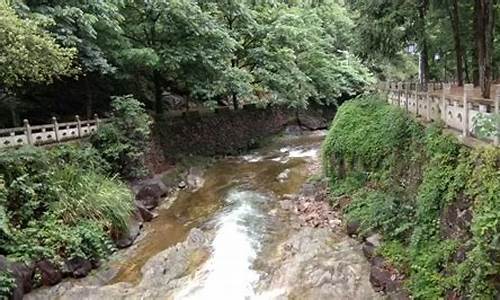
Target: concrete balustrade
{"points": [[436, 103], [48, 133]]}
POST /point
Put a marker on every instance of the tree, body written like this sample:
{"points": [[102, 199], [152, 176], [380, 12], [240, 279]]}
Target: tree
{"points": [[423, 7], [28, 54], [92, 27], [173, 44], [290, 53], [457, 38], [485, 22]]}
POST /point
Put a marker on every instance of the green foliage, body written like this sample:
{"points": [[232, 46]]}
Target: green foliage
{"points": [[397, 254], [383, 131], [379, 210], [91, 196], [412, 177], [485, 126], [7, 284], [4, 220], [90, 27], [243, 51], [53, 239], [427, 278], [28, 53], [81, 156], [59, 203], [484, 187], [122, 142]]}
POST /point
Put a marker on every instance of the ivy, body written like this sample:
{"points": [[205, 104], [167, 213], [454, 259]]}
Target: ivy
{"points": [[401, 178]]}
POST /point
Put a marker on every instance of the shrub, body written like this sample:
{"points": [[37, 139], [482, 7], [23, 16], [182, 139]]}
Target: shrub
{"points": [[53, 239], [59, 203], [122, 141], [83, 156], [401, 179], [363, 133], [27, 176]]}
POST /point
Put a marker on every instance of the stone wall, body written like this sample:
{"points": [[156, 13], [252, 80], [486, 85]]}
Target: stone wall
{"points": [[226, 131]]}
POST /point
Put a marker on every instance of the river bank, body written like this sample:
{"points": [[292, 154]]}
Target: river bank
{"points": [[238, 236]]}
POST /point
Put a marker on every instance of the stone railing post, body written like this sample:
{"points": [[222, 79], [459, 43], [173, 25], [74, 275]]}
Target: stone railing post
{"points": [[428, 101], [399, 94], [444, 103], [496, 116], [465, 121], [417, 100], [78, 126], [407, 92], [27, 130], [96, 118], [56, 128]]}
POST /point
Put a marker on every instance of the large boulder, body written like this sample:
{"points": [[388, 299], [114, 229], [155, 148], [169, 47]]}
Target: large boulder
{"points": [[456, 218], [22, 274], [369, 250], [195, 178], [352, 228], [383, 277], [126, 238], [149, 195], [146, 214], [49, 272], [78, 267], [312, 120]]}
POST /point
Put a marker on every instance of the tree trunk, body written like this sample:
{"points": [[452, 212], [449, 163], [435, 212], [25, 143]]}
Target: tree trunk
{"points": [[484, 11], [234, 63], [235, 101], [466, 69], [424, 52], [14, 116], [158, 92], [90, 99], [459, 52]]}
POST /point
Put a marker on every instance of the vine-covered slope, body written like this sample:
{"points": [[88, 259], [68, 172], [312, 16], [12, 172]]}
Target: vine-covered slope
{"points": [[436, 202]]}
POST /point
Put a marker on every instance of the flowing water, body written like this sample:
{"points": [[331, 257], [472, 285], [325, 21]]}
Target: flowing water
{"points": [[235, 198], [238, 208]]}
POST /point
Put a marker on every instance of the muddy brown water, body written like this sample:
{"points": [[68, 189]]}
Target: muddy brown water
{"points": [[257, 171]]}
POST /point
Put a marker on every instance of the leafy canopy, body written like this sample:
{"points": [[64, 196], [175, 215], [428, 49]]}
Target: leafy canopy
{"points": [[28, 53]]}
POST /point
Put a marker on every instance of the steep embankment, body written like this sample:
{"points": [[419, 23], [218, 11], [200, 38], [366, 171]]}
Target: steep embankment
{"points": [[436, 203]]}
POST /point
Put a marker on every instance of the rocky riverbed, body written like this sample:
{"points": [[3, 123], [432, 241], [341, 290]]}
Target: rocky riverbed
{"points": [[253, 228]]}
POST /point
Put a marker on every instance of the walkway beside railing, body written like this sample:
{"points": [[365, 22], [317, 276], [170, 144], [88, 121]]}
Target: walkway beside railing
{"points": [[49, 133], [458, 112]]}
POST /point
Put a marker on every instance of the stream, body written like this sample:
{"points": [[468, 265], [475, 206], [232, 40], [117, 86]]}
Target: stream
{"points": [[232, 239]]}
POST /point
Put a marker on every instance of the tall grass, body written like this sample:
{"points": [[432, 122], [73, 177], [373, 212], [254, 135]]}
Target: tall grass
{"points": [[91, 196]]}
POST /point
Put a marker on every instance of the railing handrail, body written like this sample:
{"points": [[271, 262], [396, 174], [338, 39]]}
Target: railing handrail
{"points": [[457, 111], [48, 133]]}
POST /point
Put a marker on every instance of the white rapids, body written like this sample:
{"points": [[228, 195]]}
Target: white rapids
{"points": [[228, 273]]}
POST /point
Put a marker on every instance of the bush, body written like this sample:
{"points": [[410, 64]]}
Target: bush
{"points": [[59, 203], [122, 141], [401, 179], [363, 133], [57, 241]]}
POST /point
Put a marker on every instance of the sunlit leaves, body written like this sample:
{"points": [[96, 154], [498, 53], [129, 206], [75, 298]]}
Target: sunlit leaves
{"points": [[28, 53]]}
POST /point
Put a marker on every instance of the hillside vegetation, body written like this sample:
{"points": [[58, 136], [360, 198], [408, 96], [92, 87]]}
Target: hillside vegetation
{"points": [[436, 203], [62, 205]]}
